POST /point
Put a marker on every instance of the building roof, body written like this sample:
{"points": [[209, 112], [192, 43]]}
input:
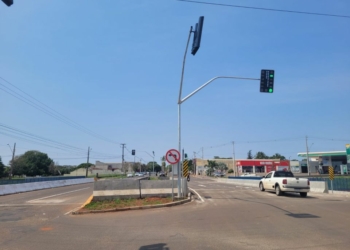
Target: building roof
{"points": [[328, 153]]}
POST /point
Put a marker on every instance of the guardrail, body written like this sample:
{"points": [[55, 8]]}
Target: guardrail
{"points": [[339, 184], [39, 179]]}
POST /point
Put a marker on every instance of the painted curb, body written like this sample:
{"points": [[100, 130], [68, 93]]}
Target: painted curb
{"points": [[175, 203]]}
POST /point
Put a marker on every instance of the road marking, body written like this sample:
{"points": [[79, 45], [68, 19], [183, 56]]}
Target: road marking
{"points": [[202, 185], [200, 197], [37, 204], [59, 194], [85, 203]]}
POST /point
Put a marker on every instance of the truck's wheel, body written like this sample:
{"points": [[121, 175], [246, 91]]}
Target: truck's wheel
{"points": [[261, 186], [303, 194], [278, 191]]}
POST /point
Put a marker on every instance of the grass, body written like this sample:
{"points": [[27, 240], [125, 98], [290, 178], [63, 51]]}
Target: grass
{"points": [[123, 203]]}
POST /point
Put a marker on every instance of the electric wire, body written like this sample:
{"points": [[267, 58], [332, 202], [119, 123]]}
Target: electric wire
{"points": [[265, 9], [49, 111]]}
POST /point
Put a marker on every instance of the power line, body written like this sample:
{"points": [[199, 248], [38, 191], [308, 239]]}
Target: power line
{"points": [[265, 9], [49, 111]]}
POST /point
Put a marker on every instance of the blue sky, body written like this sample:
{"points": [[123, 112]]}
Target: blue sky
{"points": [[114, 67]]}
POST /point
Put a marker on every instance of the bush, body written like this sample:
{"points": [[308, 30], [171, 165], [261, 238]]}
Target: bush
{"points": [[230, 171]]}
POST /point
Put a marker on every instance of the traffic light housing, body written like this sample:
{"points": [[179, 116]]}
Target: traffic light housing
{"points": [[133, 152], [197, 35], [267, 79], [8, 2]]}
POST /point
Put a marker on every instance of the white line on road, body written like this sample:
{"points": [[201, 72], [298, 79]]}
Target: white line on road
{"points": [[58, 194], [200, 197], [202, 185], [73, 210]]}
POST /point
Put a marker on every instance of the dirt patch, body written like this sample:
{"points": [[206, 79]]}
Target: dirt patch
{"points": [[124, 203]]}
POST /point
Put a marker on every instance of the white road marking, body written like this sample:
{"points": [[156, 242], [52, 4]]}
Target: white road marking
{"points": [[200, 197], [202, 185], [73, 210], [36, 204], [59, 194]]}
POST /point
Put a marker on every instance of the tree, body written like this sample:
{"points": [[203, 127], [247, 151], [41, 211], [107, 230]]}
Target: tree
{"points": [[261, 155], [32, 163], [150, 166], [2, 168], [163, 163], [222, 166], [250, 156], [211, 167], [278, 156]]}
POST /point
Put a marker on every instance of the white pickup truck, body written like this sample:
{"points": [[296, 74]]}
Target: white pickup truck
{"points": [[283, 181]]}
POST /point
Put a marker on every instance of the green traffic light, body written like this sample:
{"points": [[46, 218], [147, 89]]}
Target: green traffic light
{"points": [[271, 76], [270, 90]]}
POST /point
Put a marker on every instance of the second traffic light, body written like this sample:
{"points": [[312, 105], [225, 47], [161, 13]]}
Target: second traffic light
{"points": [[133, 152], [267, 79], [8, 2], [197, 35]]}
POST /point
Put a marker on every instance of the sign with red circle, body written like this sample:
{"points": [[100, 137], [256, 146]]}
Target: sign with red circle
{"points": [[172, 156]]}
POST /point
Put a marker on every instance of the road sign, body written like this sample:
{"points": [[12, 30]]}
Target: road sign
{"points": [[266, 80], [185, 168], [331, 173], [172, 156]]}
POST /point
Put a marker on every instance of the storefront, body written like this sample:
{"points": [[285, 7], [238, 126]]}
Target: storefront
{"points": [[261, 165]]}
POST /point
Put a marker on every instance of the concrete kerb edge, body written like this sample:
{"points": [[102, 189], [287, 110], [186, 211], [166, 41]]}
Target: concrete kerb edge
{"points": [[170, 204]]}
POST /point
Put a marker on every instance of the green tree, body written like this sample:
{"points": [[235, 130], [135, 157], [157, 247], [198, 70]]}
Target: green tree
{"points": [[211, 167], [261, 155], [2, 168], [250, 155], [278, 156], [150, 166], [222, 166], [32, 163]]}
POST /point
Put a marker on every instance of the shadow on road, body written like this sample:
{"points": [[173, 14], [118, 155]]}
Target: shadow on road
{"points": [[159, 246]]}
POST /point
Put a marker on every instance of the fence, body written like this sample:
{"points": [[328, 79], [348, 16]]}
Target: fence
{"points": [[339, 184], [39, 179]]}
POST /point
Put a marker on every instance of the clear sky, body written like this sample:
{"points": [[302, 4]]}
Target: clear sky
{"points": [[114, 67]]}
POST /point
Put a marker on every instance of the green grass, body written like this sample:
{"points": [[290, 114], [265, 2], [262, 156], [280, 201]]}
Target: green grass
{"points": [[123, 203]]}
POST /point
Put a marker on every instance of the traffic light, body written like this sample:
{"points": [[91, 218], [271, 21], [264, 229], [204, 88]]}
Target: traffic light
{"points": [[266, 80], [133, 152], [197, 35], [8, 2]]}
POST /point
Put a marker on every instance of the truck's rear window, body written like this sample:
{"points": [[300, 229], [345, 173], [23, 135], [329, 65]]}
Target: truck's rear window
{"points": [[283, 174]]}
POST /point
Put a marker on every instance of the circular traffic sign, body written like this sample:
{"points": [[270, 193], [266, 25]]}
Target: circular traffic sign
{"points": [[172, 156]]}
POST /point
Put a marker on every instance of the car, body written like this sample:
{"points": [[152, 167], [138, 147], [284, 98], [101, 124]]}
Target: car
{"points": [[162, 175], [219, 174], [130, 175], [284, 181], [139, 174]]}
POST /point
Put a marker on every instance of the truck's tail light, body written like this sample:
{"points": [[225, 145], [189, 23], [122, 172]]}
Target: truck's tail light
{"points": [[284, 181], [308, 182]]}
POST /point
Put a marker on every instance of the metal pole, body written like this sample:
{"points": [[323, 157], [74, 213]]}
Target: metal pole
{"points": [[87, 162], [172, 182], [153, 161], [123, 145], [13, 159], [179, 113], [332, 185], [234, 160], [307, 159]]}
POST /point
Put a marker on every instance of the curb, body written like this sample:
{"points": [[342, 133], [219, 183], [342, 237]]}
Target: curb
{"points": [[175, 203]]}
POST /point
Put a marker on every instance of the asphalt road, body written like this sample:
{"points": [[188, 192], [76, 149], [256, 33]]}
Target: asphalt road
{"points": [[229, 217]]}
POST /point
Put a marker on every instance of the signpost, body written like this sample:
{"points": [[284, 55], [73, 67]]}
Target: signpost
{"points": [[172, 156], [331, 176]]}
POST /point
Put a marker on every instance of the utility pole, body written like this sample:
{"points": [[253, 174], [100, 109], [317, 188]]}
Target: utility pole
{"points": [[123, 146], [13, 158], [233, 158], [194, 163], [202, 154], [307, 157], [87, 162]]}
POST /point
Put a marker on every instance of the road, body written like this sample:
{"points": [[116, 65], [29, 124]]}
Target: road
{"points": [[229, 217]]}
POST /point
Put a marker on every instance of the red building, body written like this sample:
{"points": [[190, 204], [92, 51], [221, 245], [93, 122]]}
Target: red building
{"points": [[261, 165]]}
